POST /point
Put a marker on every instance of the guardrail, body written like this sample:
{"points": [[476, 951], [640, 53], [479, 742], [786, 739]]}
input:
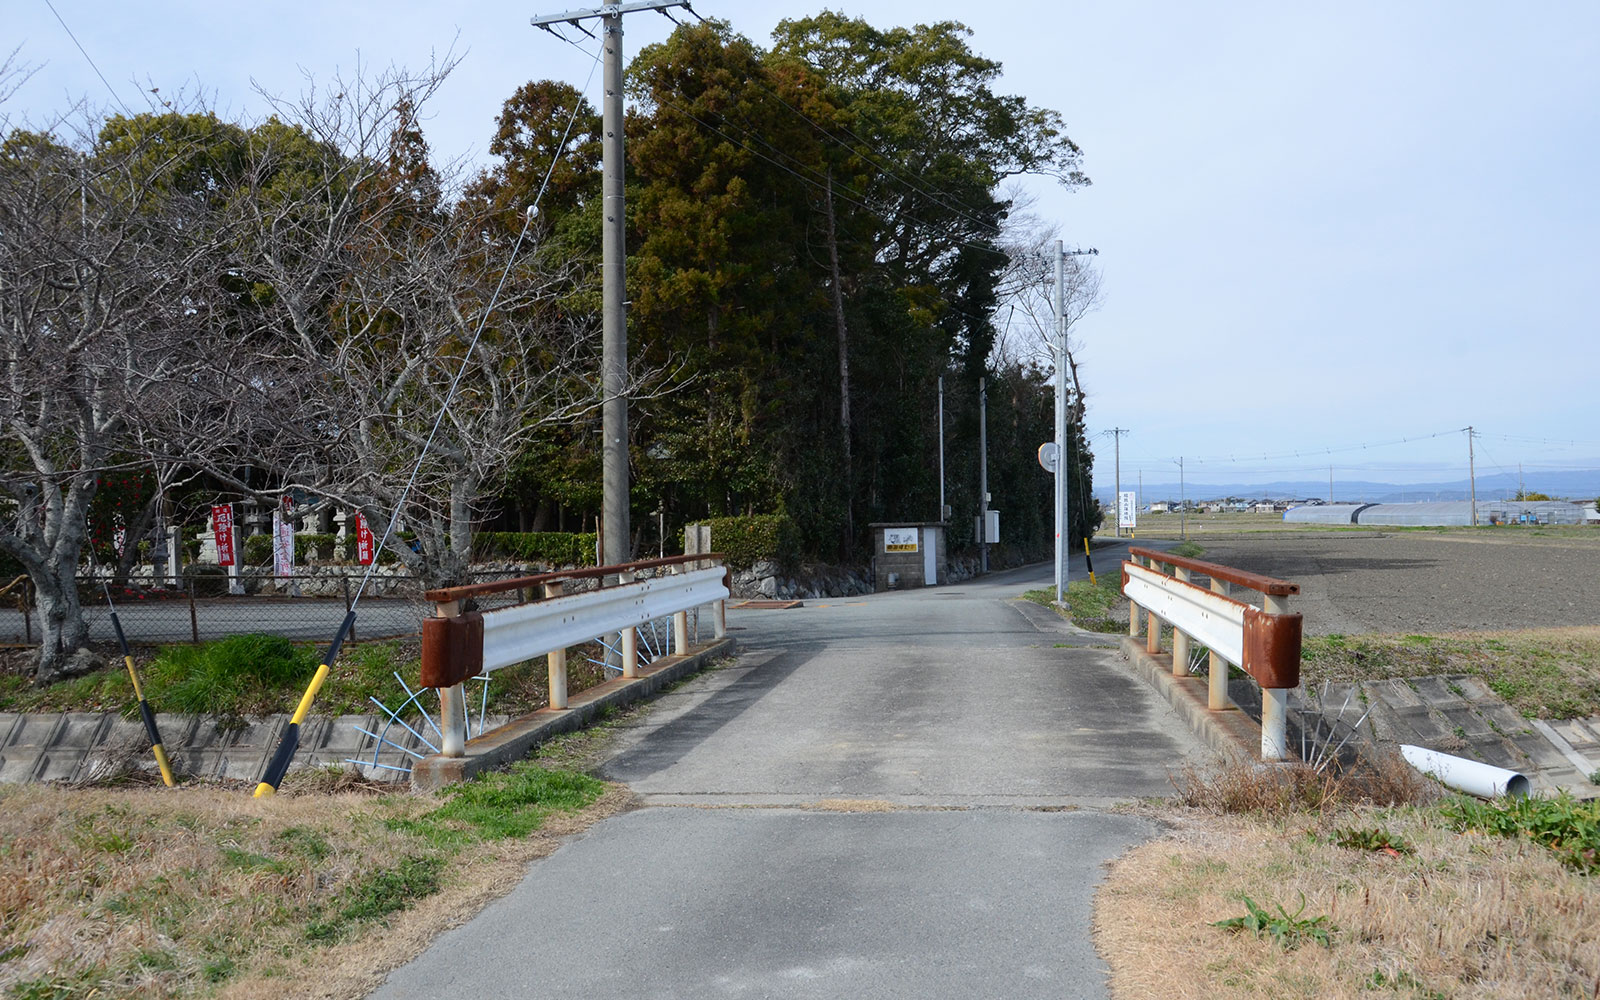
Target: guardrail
{"points": [[559, 610], [1264, 641]]}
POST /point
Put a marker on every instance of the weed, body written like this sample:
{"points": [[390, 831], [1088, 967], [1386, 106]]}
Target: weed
{"points": [[1242, 786], [378, 895], [510, 803], [1594, 777], [1287, 930], [1375, 839], [1188, 550], [1402, 980], [1569, 828]]}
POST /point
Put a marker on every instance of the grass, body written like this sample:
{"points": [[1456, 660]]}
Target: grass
{"points": [[1089, 605], [150, 893], [1542, 673], [254, 675], [1413, 899]]}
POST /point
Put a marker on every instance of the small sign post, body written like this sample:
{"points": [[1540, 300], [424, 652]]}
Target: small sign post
{"points": [[227, 551], [900, 539]]}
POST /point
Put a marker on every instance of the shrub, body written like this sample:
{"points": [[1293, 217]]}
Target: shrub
{"points": [[311, 546], [258, 550], [555, 548], [745, 541], [239, 675]]}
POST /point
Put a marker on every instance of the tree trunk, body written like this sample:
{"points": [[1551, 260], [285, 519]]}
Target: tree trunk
{"points": [[63, 634]]}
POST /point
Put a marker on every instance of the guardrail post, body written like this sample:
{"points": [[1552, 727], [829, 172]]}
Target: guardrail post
{"points": [[630, 640], [1217, 694], [452, 701], [680, 630], [1180, 639], [719, 611], [1274, 701], [557, 658]]}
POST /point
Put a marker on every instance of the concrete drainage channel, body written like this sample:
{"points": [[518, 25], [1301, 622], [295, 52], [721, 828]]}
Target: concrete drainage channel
{"points": [[1452, 714], [97, 746]]}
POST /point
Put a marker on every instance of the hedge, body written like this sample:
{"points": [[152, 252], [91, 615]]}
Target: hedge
{"points": [[555, 548], [745, 541]]}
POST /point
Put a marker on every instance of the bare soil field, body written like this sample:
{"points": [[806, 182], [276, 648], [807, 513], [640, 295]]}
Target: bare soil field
{"points": [[1412, 581]]}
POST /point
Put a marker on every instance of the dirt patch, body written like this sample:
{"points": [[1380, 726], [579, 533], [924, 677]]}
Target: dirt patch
{"points": [[1354, 582]]}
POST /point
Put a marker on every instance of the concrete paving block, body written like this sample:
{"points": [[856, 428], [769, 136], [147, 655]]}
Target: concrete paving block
{"points": [[1397, 694], [1502, 715], [242, 765], [259, 736], [1583, 739], [204, 763], [59, 764], [208, 735], [1476, 690], [1540, 751], [1438, 690], [8, 722], [340, 737], [1464, 721], [80, 730], [177, 731], [17, 764], [37, 731]]}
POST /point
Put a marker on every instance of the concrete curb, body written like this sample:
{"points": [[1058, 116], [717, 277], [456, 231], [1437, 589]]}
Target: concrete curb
{"points": [[512, 741], [1230, 732]]}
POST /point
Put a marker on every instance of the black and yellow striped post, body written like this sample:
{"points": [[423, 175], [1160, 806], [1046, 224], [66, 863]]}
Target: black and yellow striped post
{"points": [[138, 692], [291, 736], [1089, 561]]}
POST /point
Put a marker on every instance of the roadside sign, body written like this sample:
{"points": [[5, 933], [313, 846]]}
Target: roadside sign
{"points": [[900, 539], [1127, 509]]}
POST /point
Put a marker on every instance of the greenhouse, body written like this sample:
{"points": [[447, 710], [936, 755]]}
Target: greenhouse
{"points": [[1444, 513]]}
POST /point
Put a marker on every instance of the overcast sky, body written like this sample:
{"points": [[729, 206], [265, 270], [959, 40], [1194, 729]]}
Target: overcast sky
{"points": [[1323, 228]]}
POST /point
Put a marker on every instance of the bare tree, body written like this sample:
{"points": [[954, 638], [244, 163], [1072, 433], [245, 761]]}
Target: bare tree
{"points": [[101, 263]]}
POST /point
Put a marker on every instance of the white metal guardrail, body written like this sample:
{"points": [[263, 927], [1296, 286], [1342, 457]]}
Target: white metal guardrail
{"points": [[1264, 641], [560, 610]]}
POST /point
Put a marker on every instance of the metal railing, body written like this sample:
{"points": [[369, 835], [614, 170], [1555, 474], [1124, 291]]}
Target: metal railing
{"points": [[548, 613], [1264, 642]]}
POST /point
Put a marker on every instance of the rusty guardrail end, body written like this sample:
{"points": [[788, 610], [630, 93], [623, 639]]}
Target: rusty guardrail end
{"points": [[1250, 581], [1272, 647], [452, 649]]}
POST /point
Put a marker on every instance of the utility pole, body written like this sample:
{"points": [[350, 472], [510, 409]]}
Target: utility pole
{"points": [[1472, 477], [616, 537], [983, 477], [944, 512], [1183, 505], [1116, 433], [1059, 351], [1330, 484]]}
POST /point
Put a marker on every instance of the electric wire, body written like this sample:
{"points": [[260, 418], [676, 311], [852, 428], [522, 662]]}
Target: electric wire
{"points": [[114, 95], [466, 359]]}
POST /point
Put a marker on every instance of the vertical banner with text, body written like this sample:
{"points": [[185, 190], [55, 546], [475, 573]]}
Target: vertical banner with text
{"points": [[1127, 509], [364, 542], [222, 531]]}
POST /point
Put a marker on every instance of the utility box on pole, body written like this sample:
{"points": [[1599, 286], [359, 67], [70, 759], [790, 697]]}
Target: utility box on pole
{"points": [[908, 554]]}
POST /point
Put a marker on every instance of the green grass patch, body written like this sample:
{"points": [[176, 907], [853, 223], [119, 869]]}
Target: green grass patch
{"points": [[377, 895], [1188, 550], [1089, 605], [1545, 674], [501, 804], [1569, 828]]}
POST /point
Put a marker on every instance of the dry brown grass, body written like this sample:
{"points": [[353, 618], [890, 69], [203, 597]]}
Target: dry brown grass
{"points": [[1445, 915], [155, 892]]}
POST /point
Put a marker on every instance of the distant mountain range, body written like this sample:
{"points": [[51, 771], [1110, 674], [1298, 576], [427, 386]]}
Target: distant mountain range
{"points": [[1583, 486]]}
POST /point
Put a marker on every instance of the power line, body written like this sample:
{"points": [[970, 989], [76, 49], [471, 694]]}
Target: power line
{"points": [[114, 95]]}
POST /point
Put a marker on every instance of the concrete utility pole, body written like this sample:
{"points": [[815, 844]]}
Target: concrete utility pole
{"points": [[944, 512], [616, 531], [1472, 477], [983, 477], [1059, 351]]}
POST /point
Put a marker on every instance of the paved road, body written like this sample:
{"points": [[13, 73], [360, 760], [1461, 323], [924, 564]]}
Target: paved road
{"points": [[896, 796]]}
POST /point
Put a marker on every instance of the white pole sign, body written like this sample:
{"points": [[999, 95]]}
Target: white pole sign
{"points": [[1127, 509]]}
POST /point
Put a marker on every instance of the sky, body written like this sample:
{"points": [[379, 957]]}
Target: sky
{"points": [[1329, 234]]}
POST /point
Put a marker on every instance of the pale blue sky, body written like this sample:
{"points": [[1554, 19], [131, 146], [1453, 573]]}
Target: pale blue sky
{"points": [[1320, 226]]}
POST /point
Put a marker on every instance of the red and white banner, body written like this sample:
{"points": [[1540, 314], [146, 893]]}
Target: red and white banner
{"points": [[364, 540], [282, 545], [222, 531]]}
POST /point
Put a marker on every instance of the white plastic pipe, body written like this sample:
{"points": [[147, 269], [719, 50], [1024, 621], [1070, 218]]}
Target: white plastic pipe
{"points": [[1471, 776]]}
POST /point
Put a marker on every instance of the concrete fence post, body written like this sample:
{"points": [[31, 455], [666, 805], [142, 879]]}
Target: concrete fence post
{"points": [[680, 629], [557, 658]]}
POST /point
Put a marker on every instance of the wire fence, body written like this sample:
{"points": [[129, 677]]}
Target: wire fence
{"points": [[304, 607]]}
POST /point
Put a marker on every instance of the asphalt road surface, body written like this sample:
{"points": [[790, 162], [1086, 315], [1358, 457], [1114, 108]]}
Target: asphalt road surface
{"points": [[894, 796]]}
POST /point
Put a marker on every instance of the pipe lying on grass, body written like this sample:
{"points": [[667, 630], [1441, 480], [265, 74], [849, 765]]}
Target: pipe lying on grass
{"points": [[1473, 777]]}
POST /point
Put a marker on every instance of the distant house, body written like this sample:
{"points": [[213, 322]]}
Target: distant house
{"points": [[1160, 507], [1591, 514], [1264, 507]]}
